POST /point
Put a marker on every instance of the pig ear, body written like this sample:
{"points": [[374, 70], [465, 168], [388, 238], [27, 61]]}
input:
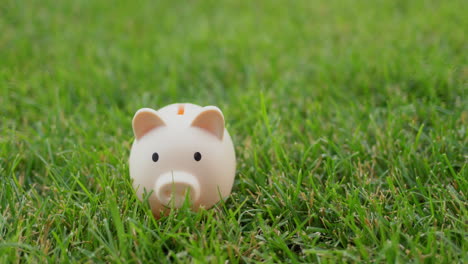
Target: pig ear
{"points": [[210, 119], [145, 120]]}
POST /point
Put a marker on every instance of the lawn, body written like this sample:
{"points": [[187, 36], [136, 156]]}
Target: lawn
{"points": [[349, 120]]}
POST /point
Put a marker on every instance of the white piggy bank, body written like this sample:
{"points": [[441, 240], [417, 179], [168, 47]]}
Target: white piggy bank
{"points": [[181, 150]]}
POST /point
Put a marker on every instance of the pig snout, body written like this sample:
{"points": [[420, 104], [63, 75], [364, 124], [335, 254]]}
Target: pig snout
{"points": [[172, 187]]}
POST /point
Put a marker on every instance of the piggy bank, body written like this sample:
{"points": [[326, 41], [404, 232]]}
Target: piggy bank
{"points": [[181, 151]]}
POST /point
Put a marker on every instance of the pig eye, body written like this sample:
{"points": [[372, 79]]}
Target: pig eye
{"points": [[197, 156], [155, 157]]}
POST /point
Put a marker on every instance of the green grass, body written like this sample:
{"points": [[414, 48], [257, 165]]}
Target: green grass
{"points": [[349, 120]]}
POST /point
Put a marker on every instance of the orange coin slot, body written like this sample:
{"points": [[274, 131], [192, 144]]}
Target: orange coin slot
{"points": [[181, 110]]}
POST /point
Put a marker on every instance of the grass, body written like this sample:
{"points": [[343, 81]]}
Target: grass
{"points": [[349, 120]]}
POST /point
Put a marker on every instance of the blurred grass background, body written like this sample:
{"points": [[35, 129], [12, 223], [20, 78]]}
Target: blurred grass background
{"points": [[349, 120]]}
